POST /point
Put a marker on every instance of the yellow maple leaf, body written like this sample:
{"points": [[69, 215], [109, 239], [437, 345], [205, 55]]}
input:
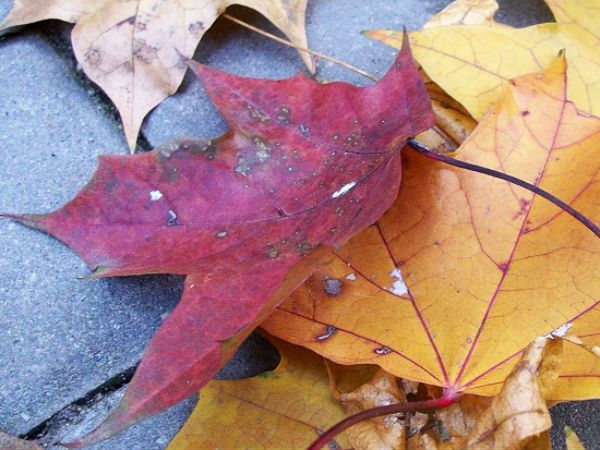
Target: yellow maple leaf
{"points": [[285, 408], [472, 62], [464, 271]]}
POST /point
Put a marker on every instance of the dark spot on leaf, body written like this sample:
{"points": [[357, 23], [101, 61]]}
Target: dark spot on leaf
{"points": [[172, 174], [171, 218], [93, 56], [258, 116], [144, 52], [333, 287], [329, 331], [382, 350], [525, 113], [304, 248], [109, 184], [272, 252], [196, 28], [284, 115]]}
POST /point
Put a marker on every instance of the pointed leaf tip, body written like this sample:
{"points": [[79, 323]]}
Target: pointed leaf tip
{"points": [[118, 421], [28, 220]]}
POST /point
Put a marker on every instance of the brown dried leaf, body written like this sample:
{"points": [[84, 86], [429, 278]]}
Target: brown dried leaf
{"points": [[453, 122], [518, 412], [541, 442], [465, 12], [550, 367], [379, 433]]}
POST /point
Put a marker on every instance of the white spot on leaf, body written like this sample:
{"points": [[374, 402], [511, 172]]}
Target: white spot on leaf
{"points": [[343, 190], [351, 277], [399, 287], [560, 331], [156, 195]]}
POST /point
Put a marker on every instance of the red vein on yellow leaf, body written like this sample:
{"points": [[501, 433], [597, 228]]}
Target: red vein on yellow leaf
{"points": [[366, 278], [264, 408], [503, 176], [510, 259], [561, 211], [353, 333], [417, 311], [568, 375], [469, 385], [589, 334], [464, 61]]}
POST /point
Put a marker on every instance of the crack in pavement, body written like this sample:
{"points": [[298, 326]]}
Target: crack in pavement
{"points": [[68, 414]]}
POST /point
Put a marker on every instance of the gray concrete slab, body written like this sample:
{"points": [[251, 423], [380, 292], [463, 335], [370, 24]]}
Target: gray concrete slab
{"points": [[61, 338]]}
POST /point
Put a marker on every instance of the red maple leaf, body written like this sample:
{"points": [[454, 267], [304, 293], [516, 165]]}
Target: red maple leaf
{"points": [[303, 164]]}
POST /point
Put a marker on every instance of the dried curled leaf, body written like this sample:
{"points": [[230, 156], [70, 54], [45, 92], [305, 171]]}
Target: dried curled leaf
{"points": [[379, 433], [137, 51], [518, 413], [465, 12]]}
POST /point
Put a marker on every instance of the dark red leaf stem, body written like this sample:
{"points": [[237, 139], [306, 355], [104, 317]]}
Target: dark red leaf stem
{"points": [[427, 152], [447, 399]]}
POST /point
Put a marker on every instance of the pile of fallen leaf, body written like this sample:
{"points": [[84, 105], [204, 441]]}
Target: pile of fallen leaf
{"points": [[460, 287]]}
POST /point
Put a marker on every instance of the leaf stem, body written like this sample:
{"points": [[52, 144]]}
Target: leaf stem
{"points": [[447, 399], [494, 173], [302, 49]]}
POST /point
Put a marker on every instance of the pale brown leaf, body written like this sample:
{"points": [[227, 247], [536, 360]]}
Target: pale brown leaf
{"points": [[138, 51], [518, 413], [379, 433]]}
